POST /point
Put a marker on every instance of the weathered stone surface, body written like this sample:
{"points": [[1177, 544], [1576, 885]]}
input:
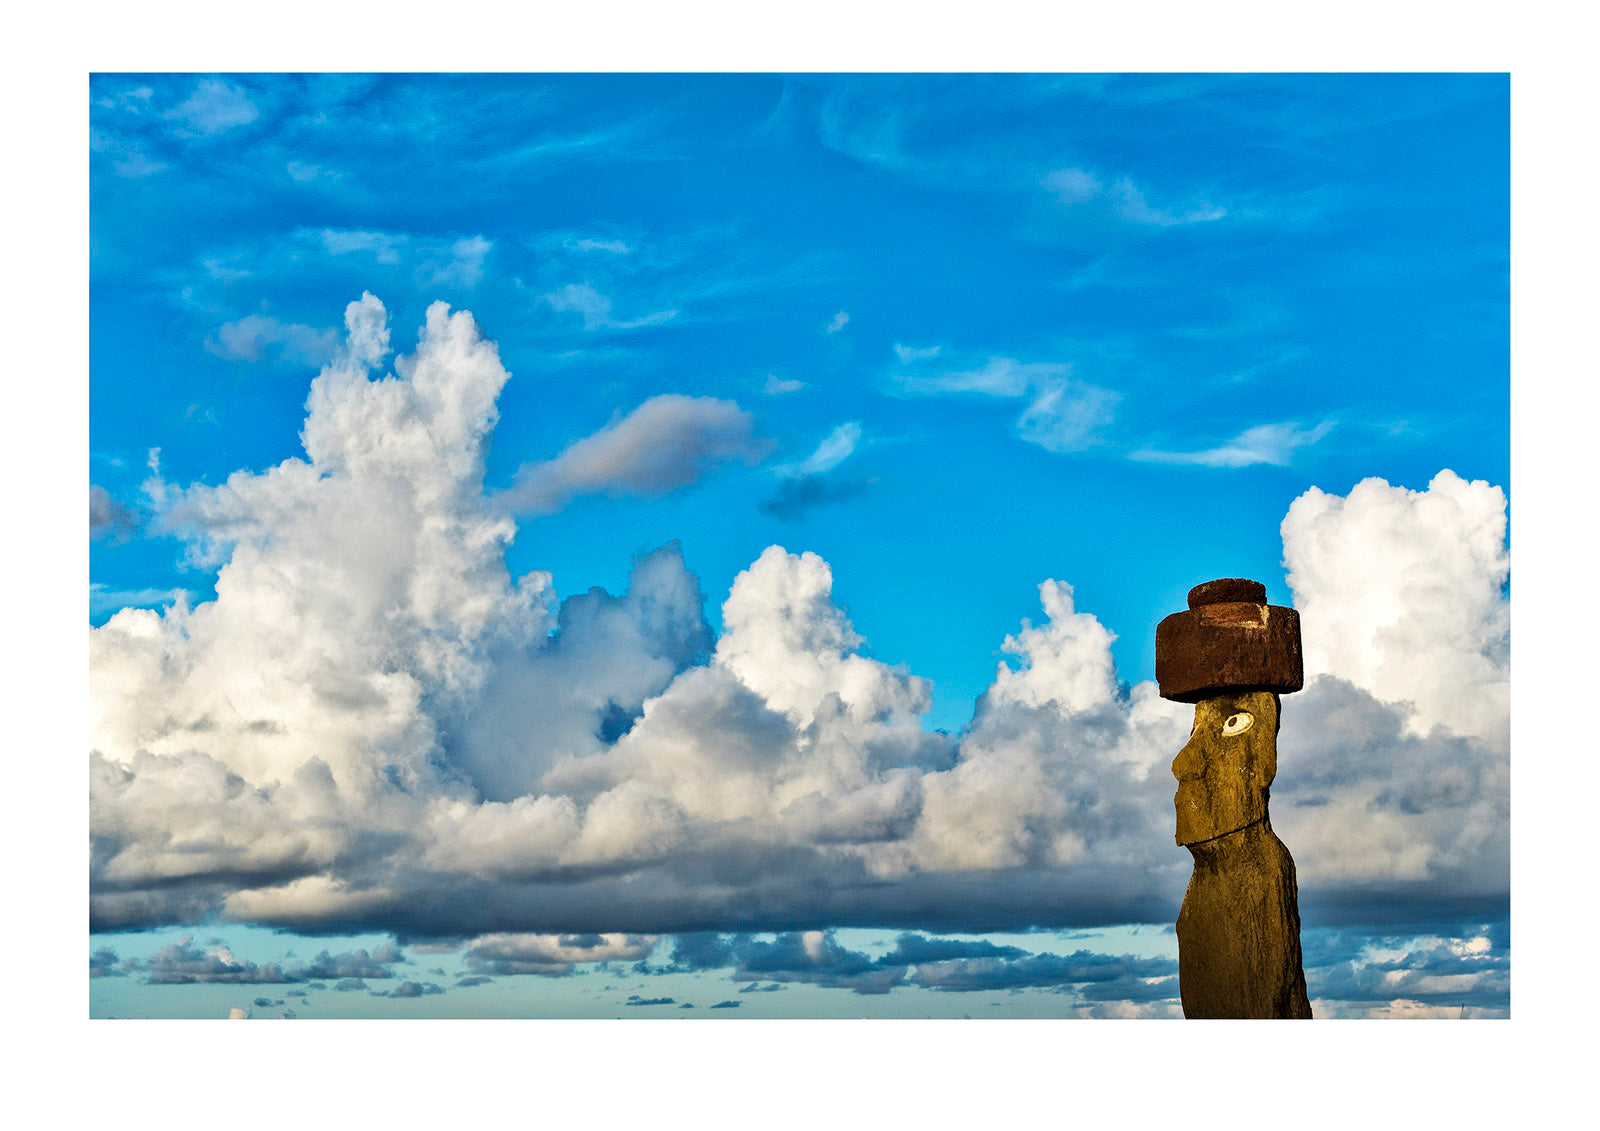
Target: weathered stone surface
{"points": [[1227, 589], [1228, 645], [1226, 767], [1239, 929]]}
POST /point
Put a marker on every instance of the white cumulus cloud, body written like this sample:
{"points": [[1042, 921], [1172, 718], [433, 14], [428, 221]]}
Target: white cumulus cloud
{"points": [[1385, 574], [375, 726]]}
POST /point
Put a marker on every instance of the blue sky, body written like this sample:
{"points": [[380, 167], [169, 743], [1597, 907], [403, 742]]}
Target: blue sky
{"points": [[954, 336]]}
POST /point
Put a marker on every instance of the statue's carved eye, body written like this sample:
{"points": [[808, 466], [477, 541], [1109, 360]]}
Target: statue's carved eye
{"points": [[1238, 723]]}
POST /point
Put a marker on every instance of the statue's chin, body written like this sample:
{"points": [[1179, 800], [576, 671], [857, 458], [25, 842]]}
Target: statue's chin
{"points": [[1197, 824]]}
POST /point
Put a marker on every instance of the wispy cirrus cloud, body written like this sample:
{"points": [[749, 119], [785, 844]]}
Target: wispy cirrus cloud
{"points": [[143, 129], [215, 106], [256, 336], [1273, 444], [636, 138], [806, 484], [384, 246], [781, 386], [1067, 416], [1127, 200], [434, 261], [129, 158], [304, 172], [596, 309], [834, 449], [462, 267], [135, 99], [935, 139], [590, 243], [1063, 413], [996, 377], [613, 280]]}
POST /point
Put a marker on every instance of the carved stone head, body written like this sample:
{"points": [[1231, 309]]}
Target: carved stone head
{"points": [[1227, 765]]}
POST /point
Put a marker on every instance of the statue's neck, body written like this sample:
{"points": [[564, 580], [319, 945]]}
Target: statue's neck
{"points": [[1254, 837]]}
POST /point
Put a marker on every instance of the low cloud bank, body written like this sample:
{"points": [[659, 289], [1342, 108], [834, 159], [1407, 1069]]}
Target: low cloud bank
{"points": [[185, 963], [374, 726], [1349, 972], [946, 965]]}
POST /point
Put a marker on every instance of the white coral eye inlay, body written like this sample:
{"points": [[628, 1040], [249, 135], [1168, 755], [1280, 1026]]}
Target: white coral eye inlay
{"points": [[1238, 723]]}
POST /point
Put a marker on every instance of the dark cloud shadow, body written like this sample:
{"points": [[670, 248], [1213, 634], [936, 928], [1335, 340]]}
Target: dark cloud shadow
{"points": [[794, 498]]}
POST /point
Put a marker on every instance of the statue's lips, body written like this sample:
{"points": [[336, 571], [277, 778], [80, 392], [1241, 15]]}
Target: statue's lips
{"points": [[1184, 803], [1198, 820]]}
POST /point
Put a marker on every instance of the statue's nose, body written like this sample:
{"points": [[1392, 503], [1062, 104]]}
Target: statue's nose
{"points": [[1190, 763]]}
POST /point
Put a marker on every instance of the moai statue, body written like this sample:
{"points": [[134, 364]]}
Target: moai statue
{"points": [[1231, 655]]}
